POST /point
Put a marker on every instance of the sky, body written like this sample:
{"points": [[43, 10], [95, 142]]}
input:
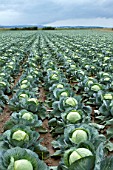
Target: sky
{"points": [[57, 12]]}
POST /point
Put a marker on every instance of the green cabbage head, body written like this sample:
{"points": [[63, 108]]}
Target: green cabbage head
{"points": [[89, 82], [60, 86], [54, 77], [27, 116], [30, 77], [23, 96], [73, 116], [73, 66], [2, 83], [33, 100], [64, 94], [24, 81], [108, 96], [23, 86], [23, 164], [107, 79], [79, 135], [71, 101], [96, 87], [78, 154], [20, 135]]}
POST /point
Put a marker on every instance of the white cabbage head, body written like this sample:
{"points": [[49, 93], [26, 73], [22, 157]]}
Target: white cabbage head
{"points": [[20, 135], [23, 164], [73, 116], [71, 101], [78, 154], [27, 116], [79, 135]]}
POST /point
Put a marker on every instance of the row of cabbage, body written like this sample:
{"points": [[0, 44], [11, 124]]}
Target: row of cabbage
{"points": [[10, 67], [90, 66], [20, 143], [62, 55], [70, 119]]}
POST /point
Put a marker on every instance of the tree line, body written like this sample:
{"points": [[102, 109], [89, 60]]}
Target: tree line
{"points": [[33, 28], [25, 28]]}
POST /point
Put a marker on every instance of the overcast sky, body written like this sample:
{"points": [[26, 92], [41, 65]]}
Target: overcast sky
{"points": [[57, 12]]}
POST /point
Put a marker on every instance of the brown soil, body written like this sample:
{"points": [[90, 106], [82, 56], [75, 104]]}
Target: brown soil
{"points": [[42, 96], [73, 82], [93, 115], [4, 117], [47, 139], [17, 79], [104, 29]]}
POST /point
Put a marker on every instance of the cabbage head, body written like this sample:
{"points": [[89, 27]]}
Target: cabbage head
{"points": [[60, 86], [71, 101], [73, 116], [108, 96], [27, 116], [78, 154], [79, 135], [20, 135], [23, 164], [96, 87]]}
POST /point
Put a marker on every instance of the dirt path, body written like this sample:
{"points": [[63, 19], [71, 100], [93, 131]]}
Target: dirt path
{"points": [[4, 117], [47, 137]]}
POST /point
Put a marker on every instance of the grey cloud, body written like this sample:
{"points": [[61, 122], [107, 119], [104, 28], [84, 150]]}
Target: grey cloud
{"points": [[47, 11]]}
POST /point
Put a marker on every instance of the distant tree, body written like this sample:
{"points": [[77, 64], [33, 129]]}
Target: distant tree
{"points": [[48, 28], [25, 28], [35, 28]]}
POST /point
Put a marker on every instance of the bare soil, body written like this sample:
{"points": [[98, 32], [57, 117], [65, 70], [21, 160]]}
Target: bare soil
{"points": [[93, 115], [4, 117], [47, 138]]}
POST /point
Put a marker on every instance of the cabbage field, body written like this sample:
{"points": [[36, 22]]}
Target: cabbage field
{"points": [[56, 100]]}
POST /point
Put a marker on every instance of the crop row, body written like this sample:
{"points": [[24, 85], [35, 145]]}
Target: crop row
{"points": [[75, 70], [20, 143], [61, 111]]}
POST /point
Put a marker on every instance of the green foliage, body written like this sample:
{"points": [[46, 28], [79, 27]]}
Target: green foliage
{"points": [[12, 158], [48, 28]]}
